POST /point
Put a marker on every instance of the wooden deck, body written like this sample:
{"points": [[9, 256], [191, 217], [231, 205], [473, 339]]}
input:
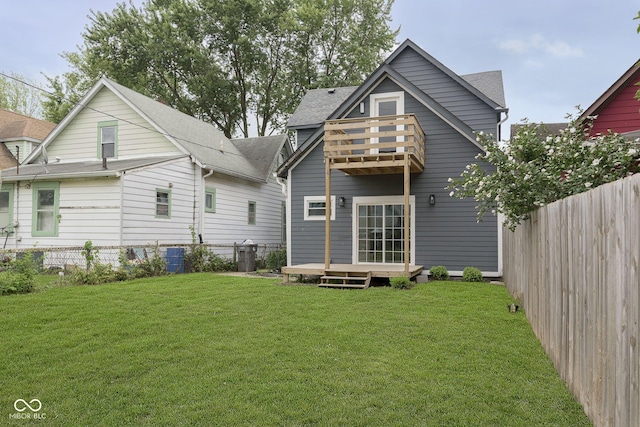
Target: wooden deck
{"points": [[375, 270]]}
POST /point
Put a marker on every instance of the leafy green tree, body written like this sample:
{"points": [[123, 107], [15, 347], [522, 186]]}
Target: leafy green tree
{"points": [[233, 62], [20, 95], [535, 169]]}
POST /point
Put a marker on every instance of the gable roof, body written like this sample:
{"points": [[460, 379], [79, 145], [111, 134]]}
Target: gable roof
{"points": [[18, 126], [628, 78], [497, 92], [318, 104], [491, 82], [207, 146]]}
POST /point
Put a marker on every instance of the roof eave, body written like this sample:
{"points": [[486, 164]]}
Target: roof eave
{"points": [[60, 176]]}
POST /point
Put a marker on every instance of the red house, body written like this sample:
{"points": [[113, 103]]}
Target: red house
{"points": [[617, 109]]}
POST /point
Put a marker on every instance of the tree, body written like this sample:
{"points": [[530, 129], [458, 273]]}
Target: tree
{"points": [[226, 61], [20, 95], [535, 169]]}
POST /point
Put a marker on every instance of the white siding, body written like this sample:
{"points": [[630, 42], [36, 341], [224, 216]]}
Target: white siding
{"points": [[89, 210], [140, 224], [229, 223], [136, 137]]}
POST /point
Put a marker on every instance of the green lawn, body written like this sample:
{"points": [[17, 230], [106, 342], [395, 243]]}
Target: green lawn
{"points": [[203, 349]]}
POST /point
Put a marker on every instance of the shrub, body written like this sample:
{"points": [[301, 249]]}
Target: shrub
{"points": [[439, 272], [472, 274], [97, 275], [220, 263], [12, 282], [150, 267], [19, 276], [534, 168], [401, 282], [276, 260]]}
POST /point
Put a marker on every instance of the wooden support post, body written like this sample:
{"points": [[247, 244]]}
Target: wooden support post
{"points": [[327, 222], [407, 189]]}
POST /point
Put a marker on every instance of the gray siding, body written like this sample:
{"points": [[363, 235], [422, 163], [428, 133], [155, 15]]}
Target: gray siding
{"points": [[303, 135], [447, 92], [446, 234]]}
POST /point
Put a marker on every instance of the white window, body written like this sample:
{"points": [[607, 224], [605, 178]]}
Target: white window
{"points": [[107, 139], [315, 208], [210, 200], [163, 203]]}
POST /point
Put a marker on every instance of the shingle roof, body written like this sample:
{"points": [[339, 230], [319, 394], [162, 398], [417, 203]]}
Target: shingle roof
{"points": [[317, 105], [489, 83], [84, 169], [210, 148], [209, 145], [14, 125], [7, 159]]}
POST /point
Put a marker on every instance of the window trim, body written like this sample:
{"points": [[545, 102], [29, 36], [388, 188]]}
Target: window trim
{"points": [[283, 222], [55, 186], [101, 125], [254, 220], [168, 191], [210, 191], [313, 199], [383, 200], [9, 189], [374, 100]]}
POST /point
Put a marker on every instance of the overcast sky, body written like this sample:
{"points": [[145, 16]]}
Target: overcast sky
{"points": [[554, 54]]}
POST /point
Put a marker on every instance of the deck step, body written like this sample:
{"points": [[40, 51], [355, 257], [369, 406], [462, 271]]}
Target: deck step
{"points": [[345, 279]]}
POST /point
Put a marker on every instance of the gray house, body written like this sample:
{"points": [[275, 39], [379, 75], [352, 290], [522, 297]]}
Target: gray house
{"points": [[377, 159]]}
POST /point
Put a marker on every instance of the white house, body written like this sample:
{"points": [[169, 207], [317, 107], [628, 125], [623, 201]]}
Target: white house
{"points": [[125, 170]]}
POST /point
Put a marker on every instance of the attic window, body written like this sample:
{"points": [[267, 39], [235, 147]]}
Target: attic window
{"points": [[107, 139]]}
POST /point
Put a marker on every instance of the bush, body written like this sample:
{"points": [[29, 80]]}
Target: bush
{"points": [[439, 272], [19, 276], [220, 263], [12, 282], [472, 274], [401, 282], [276, 260]]}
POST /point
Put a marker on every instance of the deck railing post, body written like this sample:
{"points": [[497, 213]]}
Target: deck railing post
{"points": [[327, 214]]}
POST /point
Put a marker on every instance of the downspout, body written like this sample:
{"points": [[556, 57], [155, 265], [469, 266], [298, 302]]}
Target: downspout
{"points": [[202, 196], [500, 218], [122, 208], [500, 122], [282, 183]]}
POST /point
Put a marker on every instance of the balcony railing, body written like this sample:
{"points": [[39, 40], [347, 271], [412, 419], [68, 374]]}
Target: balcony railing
{"points": [[375, 145]]}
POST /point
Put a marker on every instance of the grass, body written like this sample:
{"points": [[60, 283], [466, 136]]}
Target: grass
{"points": [[204, 349]]}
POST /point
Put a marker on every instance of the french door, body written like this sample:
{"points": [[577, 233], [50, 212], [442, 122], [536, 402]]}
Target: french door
{"points": [[379, 230]]}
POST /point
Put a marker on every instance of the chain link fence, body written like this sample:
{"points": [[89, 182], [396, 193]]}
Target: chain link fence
{"points": [[68, 258]]}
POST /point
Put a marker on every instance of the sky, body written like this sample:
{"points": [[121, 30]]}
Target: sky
{"points": [[554, 54]]}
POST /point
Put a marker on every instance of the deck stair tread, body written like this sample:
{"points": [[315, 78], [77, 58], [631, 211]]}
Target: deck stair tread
{"points": [[345, 279]]}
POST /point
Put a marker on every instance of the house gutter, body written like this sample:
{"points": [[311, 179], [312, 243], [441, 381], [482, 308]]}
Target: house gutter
{"points": [[51, 176], [202, 196]]}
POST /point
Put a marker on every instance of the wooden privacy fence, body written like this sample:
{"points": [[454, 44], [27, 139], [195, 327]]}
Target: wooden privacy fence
{"points": [[574, 266]]}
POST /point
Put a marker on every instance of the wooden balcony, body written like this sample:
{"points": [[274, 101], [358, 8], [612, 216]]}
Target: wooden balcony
{"points": [[374, 145]]}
